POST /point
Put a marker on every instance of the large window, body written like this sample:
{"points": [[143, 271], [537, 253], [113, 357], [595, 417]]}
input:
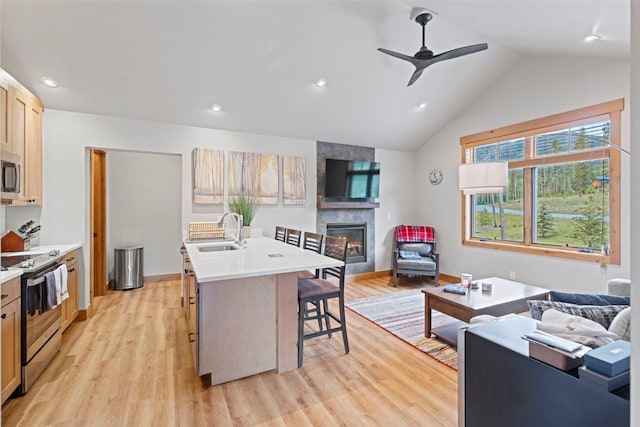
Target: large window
{"points": [[563, 195]]}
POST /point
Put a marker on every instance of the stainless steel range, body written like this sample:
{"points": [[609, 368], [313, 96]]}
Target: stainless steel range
{"points": [[40, 328]]}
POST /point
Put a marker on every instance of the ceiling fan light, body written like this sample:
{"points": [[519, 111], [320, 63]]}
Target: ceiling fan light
{"points": [[49, 81], [216, 108], [321, 82], [591, 37]]}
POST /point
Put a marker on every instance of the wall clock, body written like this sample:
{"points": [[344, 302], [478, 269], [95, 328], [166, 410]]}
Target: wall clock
{"points": [[435, 176]]}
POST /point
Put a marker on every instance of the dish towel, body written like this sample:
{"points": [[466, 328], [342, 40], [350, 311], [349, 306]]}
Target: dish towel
{"points": [[49, 297], [64, 275]]}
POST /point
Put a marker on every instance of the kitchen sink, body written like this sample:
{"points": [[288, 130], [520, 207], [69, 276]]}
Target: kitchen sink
{"points": [[217, 248]]}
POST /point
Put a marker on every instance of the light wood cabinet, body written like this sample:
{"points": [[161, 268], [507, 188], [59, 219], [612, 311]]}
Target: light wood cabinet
{"points": [[189, 302], [21, 133], [10, 337], [27, 141], [70, 305], [5, 115]]}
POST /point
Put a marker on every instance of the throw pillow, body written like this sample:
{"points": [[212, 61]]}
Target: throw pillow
{"points": [[409, 255], [576, 328], [621, 324], [603, 314], [589, 299]]}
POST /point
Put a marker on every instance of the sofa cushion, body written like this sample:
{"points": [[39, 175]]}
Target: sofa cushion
{"points": [[422, 264], [603, 314], [589, 299], [621, 324], [424, 249]]}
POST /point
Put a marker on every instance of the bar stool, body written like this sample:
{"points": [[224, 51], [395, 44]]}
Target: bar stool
{"points": [[319, 291], [293, 237], [281, 233]]}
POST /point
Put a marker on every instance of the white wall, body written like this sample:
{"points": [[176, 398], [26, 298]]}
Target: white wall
{"points": [[67, 137], [535, 87], [635, 207], [143, 208], [397, 201]]}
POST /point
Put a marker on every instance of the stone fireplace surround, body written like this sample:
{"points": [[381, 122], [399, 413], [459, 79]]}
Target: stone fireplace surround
{"points": [[329, 150]]}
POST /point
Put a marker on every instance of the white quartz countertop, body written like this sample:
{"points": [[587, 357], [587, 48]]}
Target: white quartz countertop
{"points": [[63, 248], [261, 256]]}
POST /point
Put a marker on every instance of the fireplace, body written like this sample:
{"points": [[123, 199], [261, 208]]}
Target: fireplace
{"points": [[356, 233]]}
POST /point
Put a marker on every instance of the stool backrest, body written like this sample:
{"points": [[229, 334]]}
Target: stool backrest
{"points": [[281, 233], [312, 241], [336, 247], [293, 236]]}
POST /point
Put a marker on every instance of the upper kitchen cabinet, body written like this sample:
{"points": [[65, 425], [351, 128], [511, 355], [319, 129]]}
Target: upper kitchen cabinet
{"points": [[23, 130], [5, 115]]}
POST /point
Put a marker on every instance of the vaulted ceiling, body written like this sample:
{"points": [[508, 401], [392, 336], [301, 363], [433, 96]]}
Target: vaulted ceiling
{"points": [[169, 61]]}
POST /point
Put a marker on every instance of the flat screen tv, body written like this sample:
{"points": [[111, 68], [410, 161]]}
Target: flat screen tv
{"points": [[351, 180]]}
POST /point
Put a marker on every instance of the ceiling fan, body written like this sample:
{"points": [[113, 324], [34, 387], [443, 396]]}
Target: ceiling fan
{"points": [[425, 57]]}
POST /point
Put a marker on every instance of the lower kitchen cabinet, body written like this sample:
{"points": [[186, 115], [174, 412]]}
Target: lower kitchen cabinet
{"points": [[10, 337], [70, 305], [193, 316]]}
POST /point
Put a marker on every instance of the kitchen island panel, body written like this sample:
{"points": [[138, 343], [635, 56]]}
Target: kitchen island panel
{"points": [[237, 327]]}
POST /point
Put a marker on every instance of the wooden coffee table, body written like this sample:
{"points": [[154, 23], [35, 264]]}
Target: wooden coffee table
{"points": [[506, 296]]}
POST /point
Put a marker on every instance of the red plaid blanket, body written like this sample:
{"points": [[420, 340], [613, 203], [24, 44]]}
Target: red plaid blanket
{"points": [[415, 233]]}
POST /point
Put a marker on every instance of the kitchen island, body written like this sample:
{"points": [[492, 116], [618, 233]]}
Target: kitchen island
{"points": [[246, 305]]}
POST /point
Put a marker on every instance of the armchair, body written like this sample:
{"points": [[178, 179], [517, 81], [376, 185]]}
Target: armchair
{"points": [[415, 253]]}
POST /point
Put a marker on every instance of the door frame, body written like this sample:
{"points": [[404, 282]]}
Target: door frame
{"points": [[98, 220]]}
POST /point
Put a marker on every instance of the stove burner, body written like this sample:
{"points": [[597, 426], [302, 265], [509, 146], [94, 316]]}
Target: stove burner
{"points": [[30, 262]]}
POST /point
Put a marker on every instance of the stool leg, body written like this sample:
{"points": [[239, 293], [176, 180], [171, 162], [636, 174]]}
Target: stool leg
{"points": [[343, 325], [301, 306], [327, 320]]}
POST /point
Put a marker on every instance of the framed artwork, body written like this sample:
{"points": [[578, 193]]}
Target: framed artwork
{"points": [[294, 172], [208, 176], [255, 175]]}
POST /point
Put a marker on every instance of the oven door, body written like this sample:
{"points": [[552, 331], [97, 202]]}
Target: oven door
{"points": [[40, 325]]}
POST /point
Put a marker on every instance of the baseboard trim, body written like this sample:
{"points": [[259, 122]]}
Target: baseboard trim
{"points": [[370, 275], [446, 278], [449, 278], [85, 314], [162, 277]]}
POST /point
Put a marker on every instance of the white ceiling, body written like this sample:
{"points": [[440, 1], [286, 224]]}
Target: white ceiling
{"points": [[169, 61]]}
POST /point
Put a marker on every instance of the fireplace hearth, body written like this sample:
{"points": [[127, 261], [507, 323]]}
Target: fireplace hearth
{"points": [[356, 234]]}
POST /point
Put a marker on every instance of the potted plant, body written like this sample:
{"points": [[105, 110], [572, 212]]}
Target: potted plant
{"points": [[246, 206]]}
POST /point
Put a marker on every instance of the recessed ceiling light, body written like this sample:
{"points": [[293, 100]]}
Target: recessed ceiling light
{"points": [[49, 81], [321, 82], [216, 107], [591, 37], [422, 106]]}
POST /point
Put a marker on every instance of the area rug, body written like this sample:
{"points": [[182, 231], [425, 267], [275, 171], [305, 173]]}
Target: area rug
{"points": [[402, 314]]}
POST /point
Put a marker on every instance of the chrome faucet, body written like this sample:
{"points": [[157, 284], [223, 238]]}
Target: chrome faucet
{"points": [[239, 237]]}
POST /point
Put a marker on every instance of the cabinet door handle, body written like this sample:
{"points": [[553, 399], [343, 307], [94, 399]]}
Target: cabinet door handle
{"points": [[4, 315], [4, 296], [191, 334], [192, 300]]}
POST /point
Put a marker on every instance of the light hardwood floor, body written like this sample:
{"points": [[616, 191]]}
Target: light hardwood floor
{"points": [[130, 365]]}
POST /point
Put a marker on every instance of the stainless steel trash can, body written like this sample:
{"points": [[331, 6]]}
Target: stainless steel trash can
{"points": [[128, 268]]}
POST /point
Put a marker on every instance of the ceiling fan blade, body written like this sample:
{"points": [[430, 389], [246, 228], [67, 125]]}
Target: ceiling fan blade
{"points": [[398, 55], [461, 51], [416, 74]]}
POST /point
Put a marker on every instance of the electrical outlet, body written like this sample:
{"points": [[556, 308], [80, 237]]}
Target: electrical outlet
{"points": [[512, 275]]}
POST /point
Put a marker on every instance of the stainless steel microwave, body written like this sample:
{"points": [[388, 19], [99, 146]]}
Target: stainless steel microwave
{"points": [[11, 166]]}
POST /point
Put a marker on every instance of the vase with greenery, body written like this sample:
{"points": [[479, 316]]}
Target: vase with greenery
{"points": [[246, 206]]}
